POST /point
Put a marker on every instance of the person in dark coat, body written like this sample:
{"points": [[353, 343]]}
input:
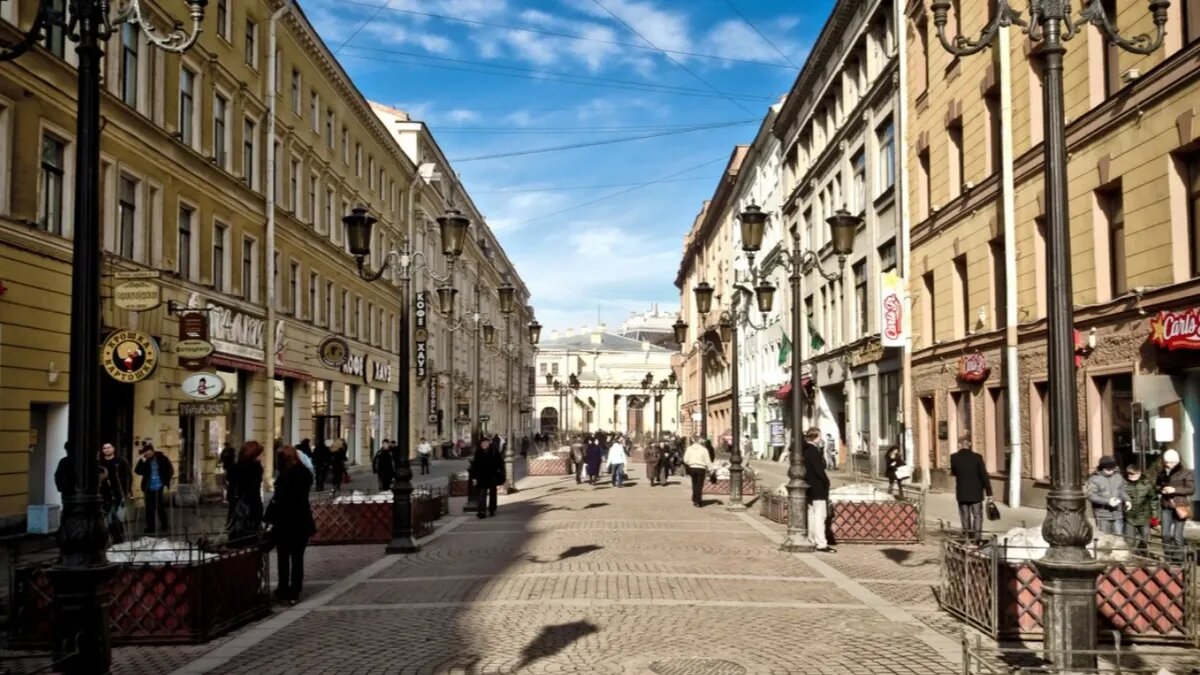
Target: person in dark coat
{"points": [[228, 460], [305, 447], [156, 472], [593, 455], [322, 460], [292, 525], [813, 455], [487, 473], [118, 480], [337, 464], [385, 466], [245, 505], [893, 461], [971, 486]]}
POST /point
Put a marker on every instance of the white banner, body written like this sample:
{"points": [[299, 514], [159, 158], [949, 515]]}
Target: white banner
{"points": [[891, 310]]}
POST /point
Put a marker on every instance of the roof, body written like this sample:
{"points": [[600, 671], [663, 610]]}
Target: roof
{"points": [[609, 342]]}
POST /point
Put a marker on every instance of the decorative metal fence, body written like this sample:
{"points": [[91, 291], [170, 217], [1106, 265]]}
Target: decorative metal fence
{"points": [[901, 521], [536, 466], [368, 520], [1118, 659]]}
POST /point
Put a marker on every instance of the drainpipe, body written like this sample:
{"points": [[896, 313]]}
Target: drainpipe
{"points": [[906, 398], [269, 332], [1008, 205]]}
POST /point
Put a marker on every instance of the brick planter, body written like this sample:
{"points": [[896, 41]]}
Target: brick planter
{"points": [[721, 487], [897, 522], [773, 507], [559, 466], [371, 522]]}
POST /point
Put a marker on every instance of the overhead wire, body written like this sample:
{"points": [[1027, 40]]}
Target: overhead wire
{"points": [[760, 34], [670, 58], [540, 131], [571, 36], [378, 9], [590, 144], [571, 188]]}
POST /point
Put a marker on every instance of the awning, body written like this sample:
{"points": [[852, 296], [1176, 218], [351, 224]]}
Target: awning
{"points": [[784, 391]]}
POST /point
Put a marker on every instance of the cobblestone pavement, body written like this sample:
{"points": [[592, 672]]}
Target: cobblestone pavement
{"points": [[582, 579]]}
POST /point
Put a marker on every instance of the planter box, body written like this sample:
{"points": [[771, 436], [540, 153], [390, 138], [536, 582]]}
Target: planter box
{"points": [[547, 467], [721, 487], [773, 507], [188, 602], [371, 522], [458, 488], [896, 522]]}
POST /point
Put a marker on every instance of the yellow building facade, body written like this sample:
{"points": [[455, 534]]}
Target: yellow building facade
{"points": [[1133, 142]]}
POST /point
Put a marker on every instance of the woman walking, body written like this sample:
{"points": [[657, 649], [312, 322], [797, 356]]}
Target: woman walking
{"points": [[246, 506], [592, 458], [1176, 486], [292, 524], [337, 464], [893, 462]]}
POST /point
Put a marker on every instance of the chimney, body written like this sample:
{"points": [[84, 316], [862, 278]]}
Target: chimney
{"points": [[598, 334]]}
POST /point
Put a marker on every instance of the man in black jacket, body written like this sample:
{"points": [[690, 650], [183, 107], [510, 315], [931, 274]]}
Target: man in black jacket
{"points": [[156, 472], [487, 471], [818, 489], [971, 485]]}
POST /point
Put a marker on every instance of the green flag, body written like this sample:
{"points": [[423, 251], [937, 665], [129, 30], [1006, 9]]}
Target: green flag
{"points": [[785, 351], [814, 340]]}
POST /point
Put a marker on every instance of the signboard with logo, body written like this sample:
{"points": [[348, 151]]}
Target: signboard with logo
{"points": [[137, 295], [129, 356], [421, 335], [193, 348], [203, 386], [431, 390], [891, 310], [204, 409], [333, 351], [355, 364], [239, 334], [973, 368], [381, 371], [1176, 330], [775, 429]]}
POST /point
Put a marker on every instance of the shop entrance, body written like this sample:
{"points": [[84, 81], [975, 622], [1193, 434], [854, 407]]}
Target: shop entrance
{"points": [[47, 441], [116, 417], [327, 427]]}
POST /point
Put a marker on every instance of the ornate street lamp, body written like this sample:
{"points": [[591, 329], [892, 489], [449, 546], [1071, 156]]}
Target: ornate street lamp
{"points": [[535, 333], [844, 226], [704, 297], [1068, 569], [454, 227], [81, 635], [680, 328]]}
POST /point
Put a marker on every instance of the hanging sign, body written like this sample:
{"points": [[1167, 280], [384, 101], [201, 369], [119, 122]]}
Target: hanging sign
{"points": [[137, 296], [238, 334], [974, 368], [355, 365], [431, 388], [891, 310], [381, 371], [333, 351], [204, 409], [130, 356], [1176, 330], [421, 335], [193, 348], [203, 386]]}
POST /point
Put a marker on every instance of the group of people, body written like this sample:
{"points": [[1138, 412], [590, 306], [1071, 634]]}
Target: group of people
{"points": [[1128, 505], [115, 487], [596, 449]]}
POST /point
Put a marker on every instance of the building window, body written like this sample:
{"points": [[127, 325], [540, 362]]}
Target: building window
{"points": [[296, 91], [346, 323], [358, 319], [220, 123], [249, 141], [1112, 53], [995, 145], [328, 317], [860, 298], [859, 165], [52, 182], [1191, 20], [297, 308], [314, 305], [887, 256], [329, 127], [187, 105], [929, 315], [295, 187], [921, 58], [183, 260], [889, 407], [358, 160], [369, 334], [962, 295], [223, 19], [275, 273], [958, 169], [1112, 206], [1036, 104], [249, 270], [312, 200], [924, 185], [886, 135], [1191, 175], [1115, 431], [999, 284], [251, 44], [329, 198], [997, 452], [371, 172], [862, 417], [345, 146], [315, 110], [55, 42], [220, 237], [126, 216], [961, 409], [129, 64], [1039, 263]]}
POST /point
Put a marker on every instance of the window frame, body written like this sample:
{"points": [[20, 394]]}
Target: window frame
{"points": [[221, 154], [220, 254], [250, 152], [251, 43], [223, 19], [187, 269], [137, 205], [189, 128], [130, 86], [65, 176], [250, 290], [886, 173]]}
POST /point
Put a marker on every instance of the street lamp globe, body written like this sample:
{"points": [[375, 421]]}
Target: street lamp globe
{"points": [[508, 296], [681, 329], [754, 223], [489, 334], [358, 232], [844, 226], [764, 294], [704, 297], [726, 327], [535, 332], [446, 299], [454, 231]]}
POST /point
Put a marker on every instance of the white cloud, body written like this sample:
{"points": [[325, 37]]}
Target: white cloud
{"points": [[734, 39], [462, 115]]}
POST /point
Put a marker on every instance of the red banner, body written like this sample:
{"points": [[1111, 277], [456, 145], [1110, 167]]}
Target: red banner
{"points": [[1176, 330], [973, 368]]}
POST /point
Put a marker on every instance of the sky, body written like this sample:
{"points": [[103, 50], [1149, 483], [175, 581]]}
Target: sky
{"points": [[596, 232]]}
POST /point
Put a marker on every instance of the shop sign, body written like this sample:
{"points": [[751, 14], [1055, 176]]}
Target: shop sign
{"points": [[381, 371], [203, 386], [238, 334], [193, 349], [204, 409], [138, 274], [1176, 330], [775, 429], [137, 296], [973, 368], [431, 388], [355, 365], [891, 310], [421, 335], [130, 356], [193, 340], [333, 351], [868, 353]]}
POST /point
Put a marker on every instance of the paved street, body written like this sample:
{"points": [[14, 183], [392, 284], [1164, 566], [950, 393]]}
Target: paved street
{"points": [[583, 579]]}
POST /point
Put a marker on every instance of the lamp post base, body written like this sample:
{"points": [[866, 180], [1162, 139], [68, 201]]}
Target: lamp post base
{"points": [[402, 545], [81, 636], [735, 508], [1069, 599], [402, 515], [797, 544]]}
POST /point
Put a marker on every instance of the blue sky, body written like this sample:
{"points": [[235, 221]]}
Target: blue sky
{"points": [[487, 88]]}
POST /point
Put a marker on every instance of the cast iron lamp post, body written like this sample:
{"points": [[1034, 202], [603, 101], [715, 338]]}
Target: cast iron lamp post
{"points": [[843, 227], [81, 632], [1068, 569], [704, 294], [358, 234], [656, 392]]}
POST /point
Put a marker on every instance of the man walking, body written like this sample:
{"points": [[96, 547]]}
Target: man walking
{"points": [[616, 462], [119, 483], [156, 472], [424, 452], [696, 459], [971, 485], [384, 466], [487, 471], [813, 455], [577, 459], [1106, 491]]}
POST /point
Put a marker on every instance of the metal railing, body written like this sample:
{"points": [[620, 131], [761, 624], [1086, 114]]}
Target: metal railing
{"points": [[1116, 659]]}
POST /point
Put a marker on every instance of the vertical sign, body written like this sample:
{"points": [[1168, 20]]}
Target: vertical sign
{"points": [[422, 334], [431, 387], [891, 309]]}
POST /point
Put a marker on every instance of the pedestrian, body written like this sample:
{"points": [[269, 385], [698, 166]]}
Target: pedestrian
{"points": [[292, 525], [616, 462], [831, 453], [1143, 501], [971, 486], [665, 466], [384, 466], [697, 461], [322, 461], [487, 473], [1106, 491], [246, 506], [156, 472], [712, 452], [893, 460], [424, 452], [228, 460], [813, 456], [525, 447], [119, 478], [337, 465], [593, 456], [304, 448], [1176, 487], [577, 457]]}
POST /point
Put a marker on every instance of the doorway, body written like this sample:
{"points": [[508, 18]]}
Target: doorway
{"points": [[927, 432], [47, 447]]}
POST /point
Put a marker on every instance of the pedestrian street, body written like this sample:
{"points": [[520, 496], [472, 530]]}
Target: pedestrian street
{"points": [[576, 578]]}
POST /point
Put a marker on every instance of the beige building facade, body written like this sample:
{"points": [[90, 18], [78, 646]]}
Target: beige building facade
{"points": [[976, 204]]}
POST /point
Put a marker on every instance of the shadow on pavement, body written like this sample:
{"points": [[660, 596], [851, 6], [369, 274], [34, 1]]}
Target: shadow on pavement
{"points": [[594, 505], [710, 502], [553, 639]]}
